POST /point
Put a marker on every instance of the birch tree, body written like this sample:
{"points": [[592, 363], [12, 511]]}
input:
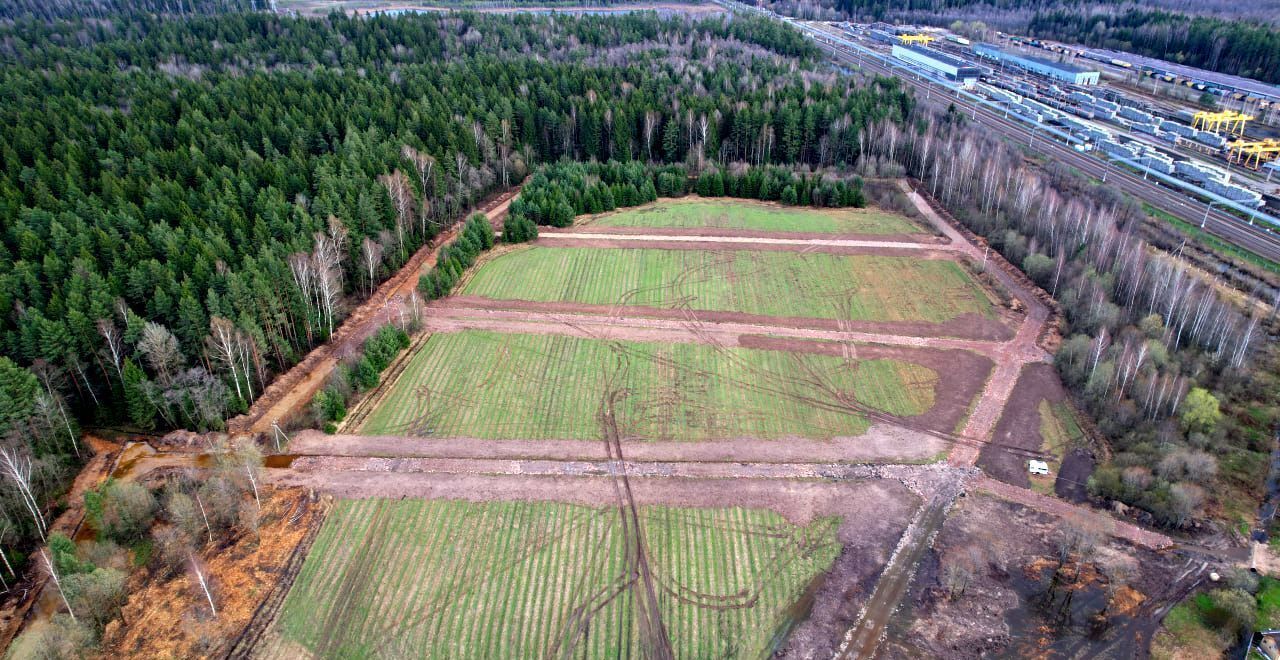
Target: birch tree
{"points": [[371, 260], [114, 343], [17, 468]]}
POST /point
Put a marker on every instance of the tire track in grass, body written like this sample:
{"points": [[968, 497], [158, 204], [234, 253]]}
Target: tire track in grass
{"points": [[495, 641], [351, 585], [404, 560], [424, 586]]}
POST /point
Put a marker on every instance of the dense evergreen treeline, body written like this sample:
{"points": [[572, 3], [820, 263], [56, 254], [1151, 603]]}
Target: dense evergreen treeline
{"points": [[187, 207], [556, 193], [456, 257], [59, 9]]}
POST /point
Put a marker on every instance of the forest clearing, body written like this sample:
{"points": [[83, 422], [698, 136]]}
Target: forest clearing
{"points": [[566, 331], [783, 284]]}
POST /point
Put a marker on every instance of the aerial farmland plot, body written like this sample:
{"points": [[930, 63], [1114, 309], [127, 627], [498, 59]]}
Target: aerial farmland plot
{"points": [[702, 214], [455, 579], [780, 284], [545, 387], [635, 447]]}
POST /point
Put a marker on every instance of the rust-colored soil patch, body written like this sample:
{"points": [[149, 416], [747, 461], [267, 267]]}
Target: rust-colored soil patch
{"points": [[169, 617]]}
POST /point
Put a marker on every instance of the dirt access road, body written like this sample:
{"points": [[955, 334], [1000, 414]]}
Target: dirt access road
{"points": [[292, 390]]}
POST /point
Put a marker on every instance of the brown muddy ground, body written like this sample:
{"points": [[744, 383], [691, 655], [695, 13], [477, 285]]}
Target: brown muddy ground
{"points": [[1019, 426], [714, 232], [1106, 604], [965, 326], [168, 616], [826, 246], [882, 443]]}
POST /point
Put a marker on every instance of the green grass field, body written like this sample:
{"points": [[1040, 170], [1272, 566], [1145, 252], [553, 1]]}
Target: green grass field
{"points": [[739, 214], [440, 579], [517, 386], [817, 285]]}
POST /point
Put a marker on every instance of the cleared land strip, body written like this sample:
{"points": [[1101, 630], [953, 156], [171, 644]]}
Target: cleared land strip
{"points": [[1056, 507], [449, 318], [747, 241], [882, 443], [964, 326], [602, 468], [593, 228]]}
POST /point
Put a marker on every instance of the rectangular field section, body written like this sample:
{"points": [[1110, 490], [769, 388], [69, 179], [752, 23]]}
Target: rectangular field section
{"points": [[756, 216], [786, 284], [515, 386], [440, 579]]}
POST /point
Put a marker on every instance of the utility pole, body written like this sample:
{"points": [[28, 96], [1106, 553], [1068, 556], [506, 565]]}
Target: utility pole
{"points": [[1206, 214]]}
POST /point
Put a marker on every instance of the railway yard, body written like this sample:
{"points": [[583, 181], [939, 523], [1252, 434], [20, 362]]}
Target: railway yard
{"points": [[1149, 151]]}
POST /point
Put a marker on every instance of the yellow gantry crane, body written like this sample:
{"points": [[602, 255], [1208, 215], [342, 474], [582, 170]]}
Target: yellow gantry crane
{"points": [[1229, 120], [922, 39], [1253, 154]]}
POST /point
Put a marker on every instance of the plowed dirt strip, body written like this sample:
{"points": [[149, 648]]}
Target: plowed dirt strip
{"points": [[882, 443], [456, 316], [535, 467], [705, 241], [578, 585]]}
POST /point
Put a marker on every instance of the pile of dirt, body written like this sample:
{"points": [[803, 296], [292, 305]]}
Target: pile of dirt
{"points": [[167, 616]]}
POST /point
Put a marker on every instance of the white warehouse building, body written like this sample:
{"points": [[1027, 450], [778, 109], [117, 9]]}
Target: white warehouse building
{"points": [[949, 66]]}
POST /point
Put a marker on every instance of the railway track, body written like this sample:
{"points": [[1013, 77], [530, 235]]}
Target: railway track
{"points": [[1254, 238]]}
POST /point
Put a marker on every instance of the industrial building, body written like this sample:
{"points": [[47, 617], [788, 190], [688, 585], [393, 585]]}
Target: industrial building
{"points": [[1071, 73], [953, 68]]}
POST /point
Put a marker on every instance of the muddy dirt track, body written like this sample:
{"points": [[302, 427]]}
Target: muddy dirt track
{"points": [[725, 234], [292, 390], [1020, 423], [882, 443], [965, 326]]}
